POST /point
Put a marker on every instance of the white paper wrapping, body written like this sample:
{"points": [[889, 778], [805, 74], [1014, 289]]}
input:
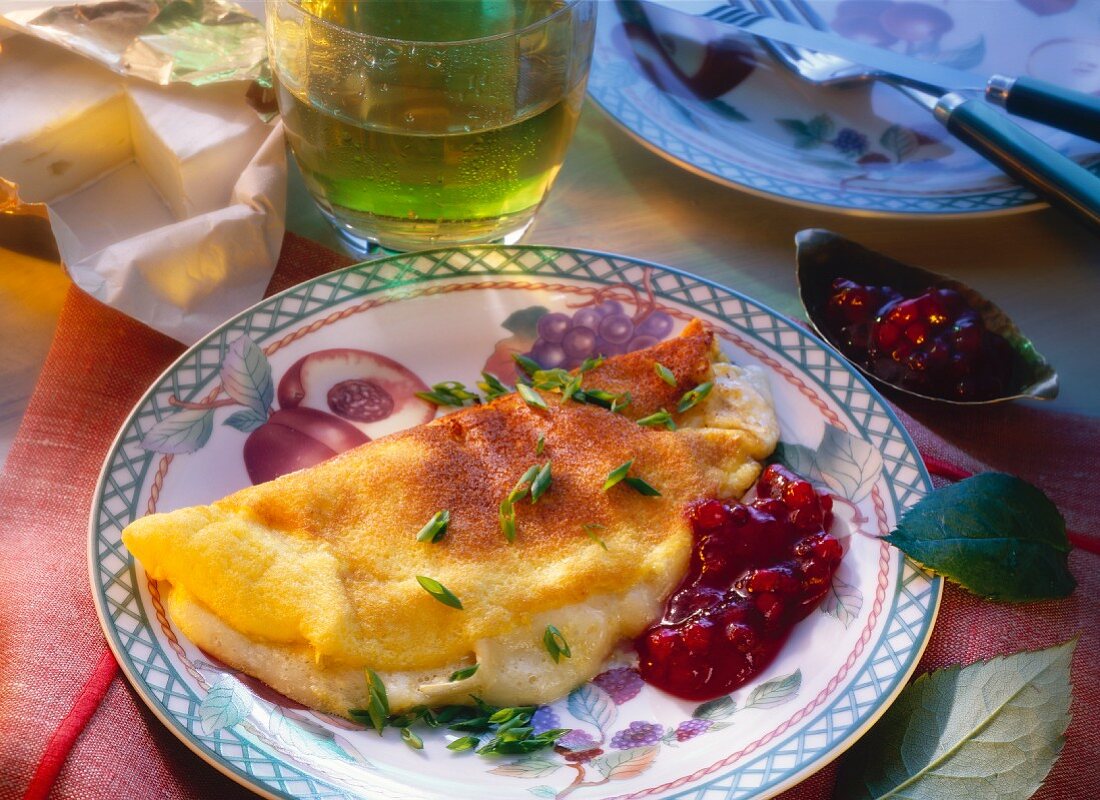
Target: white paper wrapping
{"points": [[186, 277], [167, 203]]}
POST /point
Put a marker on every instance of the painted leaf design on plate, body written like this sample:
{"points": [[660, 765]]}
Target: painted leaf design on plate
{"points": [[246, 375], [776, 691], [533, 767], [306, 737], [850, 466], [988, 731], [623, 764], [183, 432], [900, 141], [719, 708], [226, 704], [352, 751], [590, 703], [246, 420], [800, 459], [543, 791], [844, 601], [966, 56]]}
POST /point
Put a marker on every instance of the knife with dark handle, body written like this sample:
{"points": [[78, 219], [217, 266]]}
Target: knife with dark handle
{"points": [[1047, 103], [1062, 182]]}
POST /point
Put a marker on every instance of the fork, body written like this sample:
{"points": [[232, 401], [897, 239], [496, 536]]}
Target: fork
{"points": [[1025, 157]]}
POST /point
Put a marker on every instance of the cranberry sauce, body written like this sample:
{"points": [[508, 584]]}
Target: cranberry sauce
{"points": [[934, 344], [756, 570]]}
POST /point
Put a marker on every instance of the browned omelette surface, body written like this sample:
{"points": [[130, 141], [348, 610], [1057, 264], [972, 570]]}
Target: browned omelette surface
{"points": [[324, 561]]}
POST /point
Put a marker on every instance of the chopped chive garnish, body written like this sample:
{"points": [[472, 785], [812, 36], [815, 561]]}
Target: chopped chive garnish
{"points": [[411, 739], [436, 527], [555, 644], [550, 380], [526, 364], [530, 396], [378, 705], [641, 487], [450, 393], [572, 386], [465, 743], [599, 397], [523, 484], [540, 445], [439, 591], [617, 474], [541, 483], [661, 417], [590, 528], [664, 373], [694, 396], [621, 402], [463, 674], [493, 386], [590, 364], [508, 520]]}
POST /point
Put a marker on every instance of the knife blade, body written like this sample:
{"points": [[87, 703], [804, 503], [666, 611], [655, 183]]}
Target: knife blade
{"points": [[1071, 111]]}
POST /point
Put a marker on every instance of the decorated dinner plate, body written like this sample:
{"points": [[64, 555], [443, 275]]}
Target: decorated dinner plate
{"points": [[729, 113], [209, 425]]}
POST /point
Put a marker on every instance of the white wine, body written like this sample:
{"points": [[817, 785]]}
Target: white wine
{"points": [[411, 140], [413, 188]]}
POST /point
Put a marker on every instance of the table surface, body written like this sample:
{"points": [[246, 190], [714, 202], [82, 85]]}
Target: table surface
{"points": [[615, 195]]}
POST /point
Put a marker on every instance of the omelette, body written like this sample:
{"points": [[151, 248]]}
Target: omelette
{"points": [[310, 580]]}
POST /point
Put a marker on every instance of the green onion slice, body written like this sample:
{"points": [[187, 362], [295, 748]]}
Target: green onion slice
{"points": [[436, 527], [439, 591], [530, 396], [617, 474], [555, 644], [463, 674], [664, 373], [661, 417], [690, 399], [541, 483]]}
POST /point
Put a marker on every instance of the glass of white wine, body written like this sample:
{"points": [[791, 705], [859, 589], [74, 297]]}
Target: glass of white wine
{"points": [[418, 123]]}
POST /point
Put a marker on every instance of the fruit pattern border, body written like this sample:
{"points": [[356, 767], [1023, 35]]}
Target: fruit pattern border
{"points": [[126, 471], [612, 84]]}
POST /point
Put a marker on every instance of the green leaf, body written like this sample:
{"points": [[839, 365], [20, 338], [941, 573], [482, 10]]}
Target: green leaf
{"points": [[690, 399], [617, 474], [541, 483], [439, 591], [530, 396], [988, 731], [436, 527], [664, 373], [996, 535], [463, 674], [555, 644]]}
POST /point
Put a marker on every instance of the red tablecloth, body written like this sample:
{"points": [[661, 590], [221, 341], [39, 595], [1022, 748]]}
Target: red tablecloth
{"points": [[71, 727]]}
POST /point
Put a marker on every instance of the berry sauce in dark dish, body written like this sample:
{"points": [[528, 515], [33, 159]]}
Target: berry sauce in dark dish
{"points": [[757, 568], [934, 343]]}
